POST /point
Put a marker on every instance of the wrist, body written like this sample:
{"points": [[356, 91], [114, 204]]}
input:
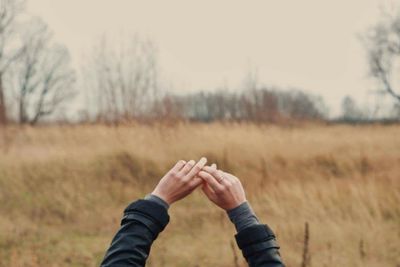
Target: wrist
{"points": [[163, 197]]}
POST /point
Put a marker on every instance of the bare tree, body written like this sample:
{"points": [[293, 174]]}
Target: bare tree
{"points": [[9, 11], [298, 105], [41, 78], [124, 79], [350, 110], [382, 42], [168, 109], [396, 110]]}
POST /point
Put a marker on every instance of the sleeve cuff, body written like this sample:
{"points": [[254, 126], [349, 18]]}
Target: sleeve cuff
{"points": [[157, 199], [150, 213], [256, 238]]}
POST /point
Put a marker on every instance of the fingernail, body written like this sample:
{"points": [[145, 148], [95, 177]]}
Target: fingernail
{"points": [[203, 160]]}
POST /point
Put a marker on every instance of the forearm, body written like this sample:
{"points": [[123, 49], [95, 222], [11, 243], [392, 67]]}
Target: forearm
{"points": [[256, 241], [259, 246], [130, 246], [142, 222], [145, 219]]}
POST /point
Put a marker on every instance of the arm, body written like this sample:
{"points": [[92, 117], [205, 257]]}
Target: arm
{"points": [[259, 246], [144, 219], [256, 241]]}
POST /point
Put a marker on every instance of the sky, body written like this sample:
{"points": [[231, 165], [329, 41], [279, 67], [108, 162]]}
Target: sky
{"points": [[308, 44]]}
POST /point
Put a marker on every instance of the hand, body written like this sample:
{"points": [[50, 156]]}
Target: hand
{"points": [[222, 188], [180, 181]]}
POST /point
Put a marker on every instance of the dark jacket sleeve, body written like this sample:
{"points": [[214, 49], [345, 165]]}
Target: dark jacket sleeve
{"points": [[143, 220], [259, 246]]}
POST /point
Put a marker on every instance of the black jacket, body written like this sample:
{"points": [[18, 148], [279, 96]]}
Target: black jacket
{"points": [[143, 220]]}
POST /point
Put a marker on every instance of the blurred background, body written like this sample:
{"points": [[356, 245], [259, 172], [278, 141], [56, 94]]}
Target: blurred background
{"points": [[299, 99]]}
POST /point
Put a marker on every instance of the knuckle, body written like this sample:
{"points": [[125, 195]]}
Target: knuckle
{"points": [[174, 174]]}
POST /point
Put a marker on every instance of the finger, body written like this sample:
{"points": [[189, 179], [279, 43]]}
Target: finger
{"points": [[214, 166], [206, 184], [223, 179], [230, 176], [178, 166], [195, 170], [211, 181], [188, 166], [210, 169], [208, 191], [217, 174]]}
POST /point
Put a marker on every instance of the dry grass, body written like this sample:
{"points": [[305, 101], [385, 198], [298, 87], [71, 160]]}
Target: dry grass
{"points": [[62, 191]]}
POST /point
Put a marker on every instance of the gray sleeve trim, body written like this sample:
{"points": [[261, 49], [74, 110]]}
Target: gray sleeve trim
{"points": [[243, 216], [157, 200]]}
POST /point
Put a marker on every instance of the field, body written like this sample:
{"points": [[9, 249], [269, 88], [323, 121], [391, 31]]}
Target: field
{"points": [[63, 190]]}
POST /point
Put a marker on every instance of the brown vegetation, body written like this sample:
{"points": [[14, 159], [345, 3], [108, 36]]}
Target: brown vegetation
{"points": [[63, 190]]}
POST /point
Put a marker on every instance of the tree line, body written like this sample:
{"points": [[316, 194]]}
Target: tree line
{"points": [[258, 105], [122, 88]]}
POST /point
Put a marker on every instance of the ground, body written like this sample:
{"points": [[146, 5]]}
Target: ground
{"points": [[63, 190]]}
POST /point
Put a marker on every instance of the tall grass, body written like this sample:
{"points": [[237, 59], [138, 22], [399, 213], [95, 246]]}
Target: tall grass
{"points": [[63, 189]]}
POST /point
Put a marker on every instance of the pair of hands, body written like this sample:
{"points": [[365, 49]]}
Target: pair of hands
{"points": [[222, 188]]}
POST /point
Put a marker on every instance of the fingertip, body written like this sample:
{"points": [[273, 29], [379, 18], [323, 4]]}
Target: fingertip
{"points": [[203, 160], [179, 164]]}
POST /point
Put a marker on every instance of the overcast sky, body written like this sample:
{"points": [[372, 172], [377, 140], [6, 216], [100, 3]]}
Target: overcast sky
{"points": [[309, 44]]}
